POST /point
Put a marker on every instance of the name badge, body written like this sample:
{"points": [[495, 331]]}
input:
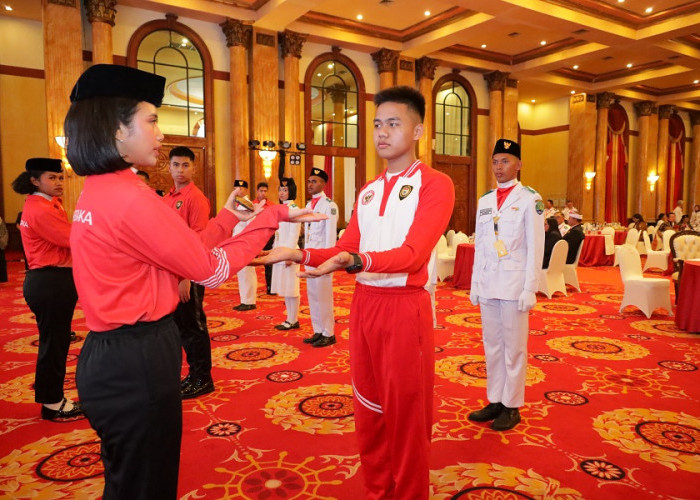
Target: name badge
{"points": [[500, 248]]}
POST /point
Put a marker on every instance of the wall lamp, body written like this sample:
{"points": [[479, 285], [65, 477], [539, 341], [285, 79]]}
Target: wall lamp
{"points": [[268, 151], [589, 180], [651, 179]]}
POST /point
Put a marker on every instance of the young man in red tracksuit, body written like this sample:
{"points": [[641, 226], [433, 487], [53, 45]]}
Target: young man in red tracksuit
{"points": [[398, 219]]}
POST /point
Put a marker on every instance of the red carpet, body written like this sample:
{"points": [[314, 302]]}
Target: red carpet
{"points": [[612, 407]]}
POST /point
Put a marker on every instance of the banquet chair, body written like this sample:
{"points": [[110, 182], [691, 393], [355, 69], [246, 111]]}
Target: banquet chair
{"points": [[459, 238], [571, 271], [631, 239], [450, 236], [684, 245], [609, 235], [651, 230], [340, 234], [655, 258], [647, 294], [444, 260], [551, 280], [666, 238]]}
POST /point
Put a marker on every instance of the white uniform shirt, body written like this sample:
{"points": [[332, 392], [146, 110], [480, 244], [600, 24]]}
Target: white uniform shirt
{"points": [[322, 234]]}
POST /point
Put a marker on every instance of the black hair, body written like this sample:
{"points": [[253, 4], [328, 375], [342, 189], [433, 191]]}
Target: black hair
{"points": [[181, 151], [551, 201], [23, 183], [552, 224], [143, 173], [262, 184], [670, 214], [403, 95], [637, 217], [660, 216], [291, 187], [90, 127]]}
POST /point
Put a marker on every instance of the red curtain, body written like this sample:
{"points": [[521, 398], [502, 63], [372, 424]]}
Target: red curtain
{"points": [[674, 185], [616, 166]]}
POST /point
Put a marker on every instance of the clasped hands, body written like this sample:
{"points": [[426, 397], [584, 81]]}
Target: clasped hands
{"points": [[295, 214]]}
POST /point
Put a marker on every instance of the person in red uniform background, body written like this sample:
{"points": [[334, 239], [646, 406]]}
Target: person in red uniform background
{"points": [[398, 219], [48, 284], [191, 204], [129, 250]]}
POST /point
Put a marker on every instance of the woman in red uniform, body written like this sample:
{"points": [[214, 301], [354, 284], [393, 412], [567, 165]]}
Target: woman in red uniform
{"points": [[48, 285], [129, 251]]}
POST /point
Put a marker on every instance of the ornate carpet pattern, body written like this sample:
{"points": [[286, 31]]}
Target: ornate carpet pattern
{"points": [[612, 406]]}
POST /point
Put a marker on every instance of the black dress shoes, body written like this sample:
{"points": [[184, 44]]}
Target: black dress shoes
{"points": [[324, 341], [61, 414], [244, 307], [73, 336], [488, 412], [185, 381], [509, 418], [313, 338], [197, 387], [287, 326]]}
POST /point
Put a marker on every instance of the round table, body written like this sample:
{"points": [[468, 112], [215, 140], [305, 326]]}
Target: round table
{"points": [[464, 261], [688, 304], [593, 251]]}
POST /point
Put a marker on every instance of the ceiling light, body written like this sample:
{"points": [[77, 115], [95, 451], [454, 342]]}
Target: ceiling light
{"points": [[318, 74], [620, 1], [330, 66], [532, 101], [575, 66], [696, 82], [543, 42], [8, 8], [649, 9], [629, 65], [427, 13], [483, 45], [359, 17], [573, 92]]}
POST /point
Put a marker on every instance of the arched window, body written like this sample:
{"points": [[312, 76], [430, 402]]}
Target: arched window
{"points": [[173, 56], [334, 105], [452, 120]]}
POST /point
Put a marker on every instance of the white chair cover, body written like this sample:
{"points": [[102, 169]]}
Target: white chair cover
{"points": [[444, 260], [647, 294], [609, 234], [656, 258], [551, 280], [571, 271]]}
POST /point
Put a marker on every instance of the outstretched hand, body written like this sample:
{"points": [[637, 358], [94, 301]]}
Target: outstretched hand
{"points": [[277, 254], [242, 214], [340, 261], [305, 215]]}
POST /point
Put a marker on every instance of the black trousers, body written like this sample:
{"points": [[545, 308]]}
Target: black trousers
{"points": [[50, 294], [3, 267], [192, 323], [268, 267], [129, 385]]}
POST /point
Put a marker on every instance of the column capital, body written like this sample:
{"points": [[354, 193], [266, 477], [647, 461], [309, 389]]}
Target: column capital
{"points": [[645, 108], [665, 111], [291, 43], [386, 60], [66, 3], [496, 80], [237, 33], [337, 92], [425, 68], [100, 11], [604, 100], [694, 118]]}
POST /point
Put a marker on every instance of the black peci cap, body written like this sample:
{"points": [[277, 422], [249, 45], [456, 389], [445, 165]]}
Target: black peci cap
{"points": [[508, 147], [240, 183], [113, 80], [43, 165], [319, 173]]}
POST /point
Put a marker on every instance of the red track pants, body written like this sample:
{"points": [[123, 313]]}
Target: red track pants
{"points": [[392, 364]]}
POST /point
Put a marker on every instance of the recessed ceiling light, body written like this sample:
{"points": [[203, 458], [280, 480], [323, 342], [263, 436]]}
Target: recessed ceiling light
{"points": [[359, 17], [573, 92], [543, 42], [620, 1], [532, 101], [8, 8], [483, 45], [629, 65], [427, 13], [649, 9], [575, 66], [696, 82]]}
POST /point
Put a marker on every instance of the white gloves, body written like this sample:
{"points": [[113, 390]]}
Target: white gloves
{"points": [[473, 298], [526, 301]]}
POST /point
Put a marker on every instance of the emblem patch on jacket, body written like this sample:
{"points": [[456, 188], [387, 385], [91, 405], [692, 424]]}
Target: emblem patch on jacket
{"points": [[367, 197], [539, 207], [178, 204], [405, 191]]}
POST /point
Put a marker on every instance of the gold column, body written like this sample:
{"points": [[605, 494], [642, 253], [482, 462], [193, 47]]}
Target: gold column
{"points": [[63, 64], [238, 41], [406, 74], [387, 63], [101, 14], [603, 102], [646, 157], [666, 177], [581, 155], [425, 71], [291, 44], [496, 83], [694, 162], [510, 110]]}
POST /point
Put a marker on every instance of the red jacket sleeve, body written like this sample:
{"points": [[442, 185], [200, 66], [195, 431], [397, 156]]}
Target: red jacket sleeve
{"points": [[53, 226]]}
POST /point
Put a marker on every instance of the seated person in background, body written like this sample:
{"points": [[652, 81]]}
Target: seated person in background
{"points": [[563, 226], [574, 236], [639, 224], [668, 222], [568, 208], [549, 209], [551, 236], [695, 218], [684, 223]]}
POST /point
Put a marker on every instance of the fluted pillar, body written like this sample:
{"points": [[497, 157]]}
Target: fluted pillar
{"points": [[510, 110], [603, 102], [387, 63], [646, 156], [238, 41], [291, 44], [665, 177], [425, 73], [496, 83], [63, 64], [101, 15], [581, 154], [694, 162]]}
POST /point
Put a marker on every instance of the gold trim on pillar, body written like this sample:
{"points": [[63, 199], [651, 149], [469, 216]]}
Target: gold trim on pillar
{"points": [[645, 108], [386, 60], [665, 111], [237, 33], [100, 11], [425, 68], [496, 80], [604, 100], [291, 43]]}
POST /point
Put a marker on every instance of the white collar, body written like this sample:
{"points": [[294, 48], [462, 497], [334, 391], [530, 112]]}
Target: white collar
{"points": [[43, 195], [507, 184]]}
